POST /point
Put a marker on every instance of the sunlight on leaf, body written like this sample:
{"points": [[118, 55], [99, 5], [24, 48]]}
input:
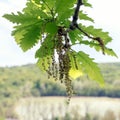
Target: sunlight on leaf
{"points": [[75, 73]]}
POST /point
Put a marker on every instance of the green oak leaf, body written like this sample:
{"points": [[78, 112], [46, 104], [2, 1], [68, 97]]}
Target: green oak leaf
{"points": [[90, 67]]}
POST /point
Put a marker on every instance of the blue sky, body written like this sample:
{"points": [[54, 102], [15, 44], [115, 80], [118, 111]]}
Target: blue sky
{"points": [[106, 16]]}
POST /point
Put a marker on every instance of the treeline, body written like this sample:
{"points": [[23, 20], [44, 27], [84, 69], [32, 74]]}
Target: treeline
{"points": [[29, 80]]}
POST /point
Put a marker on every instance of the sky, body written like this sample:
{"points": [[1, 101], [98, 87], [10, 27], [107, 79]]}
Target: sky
{"points": [[104, 12]]}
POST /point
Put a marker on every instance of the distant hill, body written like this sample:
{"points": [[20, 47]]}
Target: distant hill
{"points": [[109, 70], [29, 81]]}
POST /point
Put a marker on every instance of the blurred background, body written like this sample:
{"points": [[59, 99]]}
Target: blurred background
{"points": [[27, 94]]}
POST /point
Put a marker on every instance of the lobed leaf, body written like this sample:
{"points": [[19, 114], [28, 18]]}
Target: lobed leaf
{"points": [[64, 9], [63, 5], [97, 33], [65, 15], [51, 28], [110, 52], [85, 2], [35, 10], [27, 35], [97, 47], [49, 4], [20, 18], [30, 38], [75, 36], [89, 67], [83, 16]]}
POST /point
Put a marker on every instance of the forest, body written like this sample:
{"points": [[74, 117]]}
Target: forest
{"points": [[29, 81]]}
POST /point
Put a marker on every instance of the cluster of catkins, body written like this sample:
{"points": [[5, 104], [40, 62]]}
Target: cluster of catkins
{"points": [[60, 63]]}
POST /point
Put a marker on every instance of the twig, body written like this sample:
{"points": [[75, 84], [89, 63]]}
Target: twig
{"points": [[75, 16], [98, 39], [75, 25]]}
